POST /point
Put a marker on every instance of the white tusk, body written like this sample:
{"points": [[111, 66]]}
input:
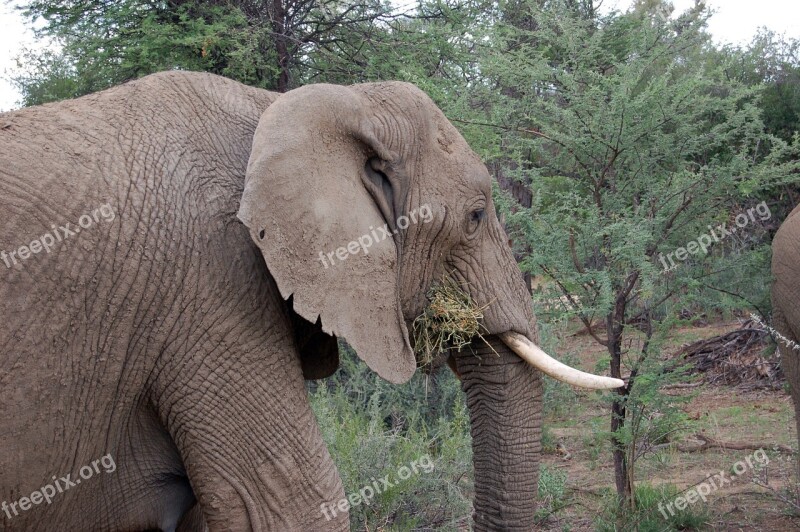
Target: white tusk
{"points": [[533, 355]]}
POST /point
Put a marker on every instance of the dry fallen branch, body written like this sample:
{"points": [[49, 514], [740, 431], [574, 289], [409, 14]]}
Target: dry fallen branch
{"points": [[682, 386], [790, 498], [711, 443], [736, 358]]}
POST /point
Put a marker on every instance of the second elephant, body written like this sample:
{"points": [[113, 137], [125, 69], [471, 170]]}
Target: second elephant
{"points": [[786, 303]]}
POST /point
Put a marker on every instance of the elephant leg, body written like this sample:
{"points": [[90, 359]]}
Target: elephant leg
{"points": [[249, 441], [790, 363]]}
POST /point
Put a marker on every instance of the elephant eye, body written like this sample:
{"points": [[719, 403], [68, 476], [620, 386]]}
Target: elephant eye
{"points": [[474, 220]]}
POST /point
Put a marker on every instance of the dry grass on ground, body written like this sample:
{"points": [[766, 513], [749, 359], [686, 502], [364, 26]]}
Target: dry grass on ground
{"points": [[722, 413]]}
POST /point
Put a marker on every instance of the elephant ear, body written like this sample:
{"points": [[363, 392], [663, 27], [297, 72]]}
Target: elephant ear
{"points": [[314, 204]]}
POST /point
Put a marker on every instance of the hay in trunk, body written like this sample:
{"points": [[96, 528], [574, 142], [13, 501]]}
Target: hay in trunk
{"points": [[451, 320]]}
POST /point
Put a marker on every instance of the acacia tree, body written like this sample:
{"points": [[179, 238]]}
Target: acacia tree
{"points": [[634, 149], [432, 47], [266, 43], [771, 61]]}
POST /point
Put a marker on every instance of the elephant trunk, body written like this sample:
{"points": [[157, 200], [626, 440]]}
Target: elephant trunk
{"points": [[504, 395]]}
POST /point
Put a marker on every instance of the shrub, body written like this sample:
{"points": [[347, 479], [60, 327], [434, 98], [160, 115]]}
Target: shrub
{"points": [[374, 429], [647, 516]]}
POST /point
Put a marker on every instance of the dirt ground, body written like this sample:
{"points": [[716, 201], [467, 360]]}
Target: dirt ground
{"points": [[725, 414]]}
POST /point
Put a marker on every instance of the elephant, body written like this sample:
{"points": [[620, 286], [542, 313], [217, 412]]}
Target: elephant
{"points": [[785, 310], [181, 252]]}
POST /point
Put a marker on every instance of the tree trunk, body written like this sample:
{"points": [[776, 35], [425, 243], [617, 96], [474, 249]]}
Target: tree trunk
{"points": [[279, 30], [622, 476]]}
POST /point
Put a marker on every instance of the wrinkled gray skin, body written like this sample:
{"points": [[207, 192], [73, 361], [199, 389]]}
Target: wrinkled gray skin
{"points": [[785, 308], [167, 336]]}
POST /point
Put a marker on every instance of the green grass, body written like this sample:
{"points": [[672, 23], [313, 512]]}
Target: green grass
{"points": [[648, 516], [552, 491], [757, 423]]}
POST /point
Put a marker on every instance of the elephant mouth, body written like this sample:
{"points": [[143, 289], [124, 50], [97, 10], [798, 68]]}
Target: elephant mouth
{"points": [[536, 357], [452, 320]]}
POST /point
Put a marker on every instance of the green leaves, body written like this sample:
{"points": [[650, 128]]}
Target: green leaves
{"points": [[277, 44], [634, 142]]}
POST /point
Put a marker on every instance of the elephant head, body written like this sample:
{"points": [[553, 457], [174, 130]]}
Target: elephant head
{"points": [[360, 198]]}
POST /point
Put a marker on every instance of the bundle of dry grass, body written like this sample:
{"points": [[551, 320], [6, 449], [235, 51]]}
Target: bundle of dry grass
{"points": [[451, 320]]}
